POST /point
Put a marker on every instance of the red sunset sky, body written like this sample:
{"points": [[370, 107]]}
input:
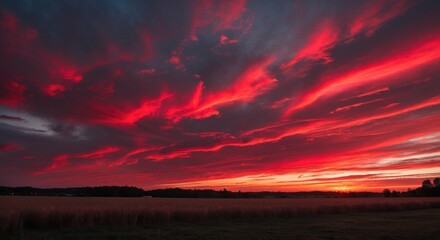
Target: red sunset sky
{"points": [[244, 95]]}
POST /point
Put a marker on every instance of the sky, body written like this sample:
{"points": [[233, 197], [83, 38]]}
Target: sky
{"points": [[243, 95]]}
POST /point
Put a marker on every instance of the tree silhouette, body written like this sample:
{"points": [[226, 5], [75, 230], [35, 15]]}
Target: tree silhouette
{"points": [[427, 184], [386, 193], [437, 182]]}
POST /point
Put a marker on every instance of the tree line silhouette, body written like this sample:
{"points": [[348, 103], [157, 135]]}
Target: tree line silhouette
{"points": [[210, 193], [103, 191], [427, 189], [126, 191]]}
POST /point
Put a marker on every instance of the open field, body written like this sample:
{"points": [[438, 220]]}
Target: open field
{"points": [[406, 225], [39, 215]]}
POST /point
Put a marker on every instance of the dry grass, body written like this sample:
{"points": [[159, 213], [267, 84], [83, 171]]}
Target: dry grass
{"points": [[19, 213]]}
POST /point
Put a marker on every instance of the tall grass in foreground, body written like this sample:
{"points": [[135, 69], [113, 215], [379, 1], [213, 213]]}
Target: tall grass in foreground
{"points": [[54, 216]]}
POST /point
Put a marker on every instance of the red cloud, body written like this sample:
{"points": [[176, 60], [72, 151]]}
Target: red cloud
{"points": [[63, 160], [252, 82], [373, 15], [317, 45], [8, 20], [9, 147], [98, 153], [225, 40], [219, 15], [346, 108], [424, 54], [13, 93], [54, 89], [57, 162], [329, 32], [132, 114], [70, 74]]}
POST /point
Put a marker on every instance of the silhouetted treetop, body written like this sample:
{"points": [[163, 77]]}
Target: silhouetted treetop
{"points": [[427, 189], [437, 182], [427, 184]]}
